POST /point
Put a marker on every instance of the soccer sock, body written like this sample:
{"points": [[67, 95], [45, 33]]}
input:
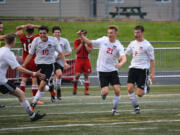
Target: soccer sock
{"points": [[22, 86], [27, 107], [134, 100], [86, 85], [55, 84], [46, 88], [75, 85], [115, 102], [37, 97], [34, 89]]}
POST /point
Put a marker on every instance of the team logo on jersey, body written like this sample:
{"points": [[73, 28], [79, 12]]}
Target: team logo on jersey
{"points": [[28, 40], [114, 47], [141, 48], [49, 45]]}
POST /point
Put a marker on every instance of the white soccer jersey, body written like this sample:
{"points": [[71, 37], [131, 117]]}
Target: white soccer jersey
{"points": [[45, 50], [108, 54], [142, 53], [65, 46], [7, 59]]}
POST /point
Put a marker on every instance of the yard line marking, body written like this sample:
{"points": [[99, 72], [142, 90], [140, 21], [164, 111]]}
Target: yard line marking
{"points": [[110, 96], [87, 125], [148, 128], [91, 112]]}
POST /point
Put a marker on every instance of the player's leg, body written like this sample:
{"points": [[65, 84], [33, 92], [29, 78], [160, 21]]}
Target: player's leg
{"points": [[58, 83], [104, 84], [35, 89], [86, 84], [77, 70], [87, 71], [23, 82], [75, 83], [115, 82]]}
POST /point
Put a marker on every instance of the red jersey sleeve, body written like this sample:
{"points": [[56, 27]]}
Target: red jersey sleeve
{"points": [[21, 36], [76, 43]]}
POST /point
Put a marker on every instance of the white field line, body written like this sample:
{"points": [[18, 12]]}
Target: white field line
{"points": [[92, 112], [87, 125], [87, 97], [148, 128], [96, 103]]}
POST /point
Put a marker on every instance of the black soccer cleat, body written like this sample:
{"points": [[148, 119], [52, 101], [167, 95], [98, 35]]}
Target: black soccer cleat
{"points": [[2, 106], [37, 117], [53, 99], [115, 113], [136, 111]]}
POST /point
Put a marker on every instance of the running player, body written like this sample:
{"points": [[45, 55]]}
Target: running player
{"points": [[1, 38], [143, 56], [7, 59], [82, 63], [59, 65], [44, 46], [26, 41], [110, 52]]}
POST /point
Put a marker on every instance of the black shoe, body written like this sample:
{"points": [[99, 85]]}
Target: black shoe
{"points": [[59, 93], [115, 113], [53, 98], [2, 106], [74, 93], [37, 117], [136, 111], [103, 97]]}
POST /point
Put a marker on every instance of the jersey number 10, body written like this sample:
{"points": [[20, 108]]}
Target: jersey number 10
{"points": [[45, 52]]}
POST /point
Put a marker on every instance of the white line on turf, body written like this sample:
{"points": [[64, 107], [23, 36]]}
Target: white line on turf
{"points": [[86, 125], [148, 128], [87, 97], [91, 112]]}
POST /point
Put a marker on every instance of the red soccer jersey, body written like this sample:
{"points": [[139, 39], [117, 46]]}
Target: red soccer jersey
{"points": [[26, 42], [83, 52]]}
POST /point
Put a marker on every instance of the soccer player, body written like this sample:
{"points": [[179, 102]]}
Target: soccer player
{"points": [[110, 51], [59, 64], [44, 46], [1, 38], [7, 58], [26, 41], [143, 56], [82, 63]]}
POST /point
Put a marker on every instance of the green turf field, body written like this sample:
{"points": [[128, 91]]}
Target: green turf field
{"points": [[89, 115]]}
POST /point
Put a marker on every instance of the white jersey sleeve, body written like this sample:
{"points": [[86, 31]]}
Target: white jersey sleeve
{"points": [[129, 50], [150, 52], [67, 46], [11, 60], [98, 41], [57, 46], [33, 46], [121, 50]]}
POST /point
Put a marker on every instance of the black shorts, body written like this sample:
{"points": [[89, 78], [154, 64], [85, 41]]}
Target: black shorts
{"points": [[107, 78], [138, 77], [58, 66], [47, 69], [7, 87]]}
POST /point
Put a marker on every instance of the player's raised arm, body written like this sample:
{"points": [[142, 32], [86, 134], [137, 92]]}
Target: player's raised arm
{"points": [[83, 37]]}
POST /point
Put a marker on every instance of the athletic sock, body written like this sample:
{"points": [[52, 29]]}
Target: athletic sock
{"points": [[27, 107], [75, 85], [37, 97], [22, 86], [134, 100], [115, 102], [34, 89], [86, 85]]}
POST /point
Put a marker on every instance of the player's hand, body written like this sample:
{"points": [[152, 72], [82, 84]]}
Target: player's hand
{"points": [[66, 66], [23, 65], [79, 33], [40, 75], [152, 76], [118, 65]]}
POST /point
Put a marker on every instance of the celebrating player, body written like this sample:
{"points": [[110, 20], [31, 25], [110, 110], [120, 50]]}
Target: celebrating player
{"points": [[59, 65], [82, 63], [44, 46], [26, 41], [143, 56], [110, 52], [7, 59]]}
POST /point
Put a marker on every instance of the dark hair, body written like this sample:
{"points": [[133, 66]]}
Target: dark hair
{"points": [[139, 27], [0, 22], [43, 27], [56, 28], [113, 27], [30, 30], [9, 39], [84, 32]]}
